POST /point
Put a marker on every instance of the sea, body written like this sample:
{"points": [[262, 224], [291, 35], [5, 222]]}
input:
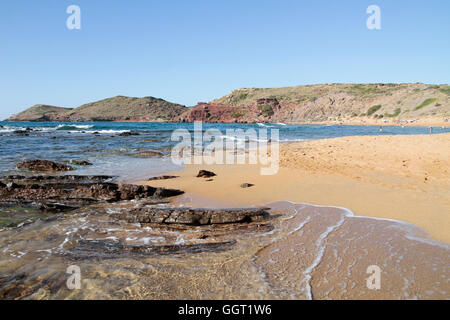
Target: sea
{"points": [[110, 153]]}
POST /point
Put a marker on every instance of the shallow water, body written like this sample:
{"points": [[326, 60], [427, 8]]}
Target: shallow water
{"points": [[304, 252]]}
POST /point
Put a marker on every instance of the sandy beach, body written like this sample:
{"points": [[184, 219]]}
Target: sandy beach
{"points": [[404, 178]]}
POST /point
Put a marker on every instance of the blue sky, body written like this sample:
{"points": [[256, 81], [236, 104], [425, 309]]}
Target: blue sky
{"points": [[194, 50]]}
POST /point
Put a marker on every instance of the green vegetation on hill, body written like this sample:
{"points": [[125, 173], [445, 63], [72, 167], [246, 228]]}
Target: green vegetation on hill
{"points": [[373, 109], [266, 110], [395, 114], [445, 89], [238, 114], [425, 103]]}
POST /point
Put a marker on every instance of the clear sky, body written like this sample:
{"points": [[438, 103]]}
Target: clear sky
{"points": [[195, 50]]}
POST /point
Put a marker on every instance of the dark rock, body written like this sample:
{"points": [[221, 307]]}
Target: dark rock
{"points": [[205, 174], [166, 193], [55, 207], [80, 162], [22, 133], [2, 185], [162, 178], [69, 192], [191, 216], [149, 154], [99, 250], [246, 185], [12, 185], [131, 191], [43, 165], [127, 134], [56, 179]]}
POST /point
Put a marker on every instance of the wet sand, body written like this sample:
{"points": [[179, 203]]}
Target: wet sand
{"points": [[302, 252]]}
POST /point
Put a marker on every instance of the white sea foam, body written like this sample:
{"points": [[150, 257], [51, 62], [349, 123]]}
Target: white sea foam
{"points": [[110, 131], [7, 129], [322, 237]]}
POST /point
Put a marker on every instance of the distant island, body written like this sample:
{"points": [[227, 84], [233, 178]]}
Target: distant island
{"points": [[357, 103]]}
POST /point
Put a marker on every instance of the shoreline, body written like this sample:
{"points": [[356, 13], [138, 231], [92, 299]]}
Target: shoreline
{"points": [[366, 122], [418, 194]]}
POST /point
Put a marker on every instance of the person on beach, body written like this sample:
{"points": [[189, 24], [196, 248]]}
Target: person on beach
{"points": [[381, 129]]}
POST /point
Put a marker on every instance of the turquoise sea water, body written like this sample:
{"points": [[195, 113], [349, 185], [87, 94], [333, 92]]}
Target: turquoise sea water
{"points": [[110, 153]]}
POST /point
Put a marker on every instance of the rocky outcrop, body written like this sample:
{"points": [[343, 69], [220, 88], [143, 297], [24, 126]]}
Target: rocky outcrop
{"points": [[211, 112], [271, 102], [205, 174], [191, 216], [70, 192], [43, 165]]}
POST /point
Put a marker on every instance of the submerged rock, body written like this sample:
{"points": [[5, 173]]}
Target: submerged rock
{"points": [[95, 249], [55, 179], [22, 133], [205, 174], [162, 178], [127, 134], [55, 207], [43, 165], [192, 216], [80, 162]]}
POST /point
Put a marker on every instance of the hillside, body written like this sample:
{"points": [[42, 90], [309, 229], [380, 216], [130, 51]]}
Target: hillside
{"points": [[39, 112], [118, 108], [340, 102], [331, 103], [122, 108]]}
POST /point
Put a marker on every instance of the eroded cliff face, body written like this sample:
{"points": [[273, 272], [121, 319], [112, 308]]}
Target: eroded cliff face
{"points": [[327, 102]]}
